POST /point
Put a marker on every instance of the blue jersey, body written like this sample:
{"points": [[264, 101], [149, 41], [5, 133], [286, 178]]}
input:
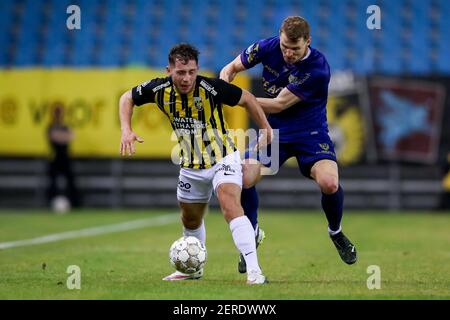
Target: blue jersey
{"points": [[308, 79]]}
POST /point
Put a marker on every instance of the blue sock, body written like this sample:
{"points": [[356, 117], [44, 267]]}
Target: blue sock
{"points": [[250, 202], [332, 204]]}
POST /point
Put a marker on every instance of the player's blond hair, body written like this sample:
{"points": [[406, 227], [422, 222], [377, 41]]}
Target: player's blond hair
{"points": [[295, 28]]}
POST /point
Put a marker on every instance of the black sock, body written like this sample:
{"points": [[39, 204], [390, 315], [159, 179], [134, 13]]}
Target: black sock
{"points": [[250, 202], [333, 204]]}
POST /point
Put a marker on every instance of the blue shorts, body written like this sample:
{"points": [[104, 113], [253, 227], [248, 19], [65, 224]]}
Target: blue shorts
{"points": [[307, 152]]}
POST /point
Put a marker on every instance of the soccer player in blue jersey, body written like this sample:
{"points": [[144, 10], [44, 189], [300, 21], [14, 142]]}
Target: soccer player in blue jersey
{"points": [[295, 78]]}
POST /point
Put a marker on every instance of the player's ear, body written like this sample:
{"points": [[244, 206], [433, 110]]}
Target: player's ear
{"points": [[308, 41], [168, 69]]}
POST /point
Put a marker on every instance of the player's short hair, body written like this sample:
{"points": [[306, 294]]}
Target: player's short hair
{"points": [[183, 52], [295, 28]]}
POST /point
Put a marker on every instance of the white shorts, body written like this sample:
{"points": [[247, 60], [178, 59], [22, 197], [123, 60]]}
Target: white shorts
{"points": [[197, 185]]}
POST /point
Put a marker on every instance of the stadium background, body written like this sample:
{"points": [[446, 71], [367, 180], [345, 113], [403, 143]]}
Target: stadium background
{"points": [[388, 108]]}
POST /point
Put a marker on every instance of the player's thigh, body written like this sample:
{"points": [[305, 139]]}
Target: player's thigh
{"points": [[325, 173], [323, 168], [251, 167], [192, 214], [251, 172], [227, 184], [266, 161]]}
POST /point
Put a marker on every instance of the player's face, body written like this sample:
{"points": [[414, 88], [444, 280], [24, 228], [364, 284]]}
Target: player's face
{"points": [[293, 51], [183, 75]]}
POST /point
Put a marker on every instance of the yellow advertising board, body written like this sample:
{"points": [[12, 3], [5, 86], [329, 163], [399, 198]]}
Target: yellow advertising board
{"points": [[90, 98]]}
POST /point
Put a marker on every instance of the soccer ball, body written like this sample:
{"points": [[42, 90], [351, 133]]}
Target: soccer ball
{"points": [[60, 204], [187, 254]]}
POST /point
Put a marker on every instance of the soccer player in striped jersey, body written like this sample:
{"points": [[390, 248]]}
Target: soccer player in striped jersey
{"points": [[208, 158], [295, 80]]}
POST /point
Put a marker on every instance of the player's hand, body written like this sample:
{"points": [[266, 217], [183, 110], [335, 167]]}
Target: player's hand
{"points": [[265, 138], [127, 142]]}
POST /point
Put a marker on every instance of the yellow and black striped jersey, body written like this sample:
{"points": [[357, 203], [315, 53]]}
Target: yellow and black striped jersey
{"points": [[197, 117]]}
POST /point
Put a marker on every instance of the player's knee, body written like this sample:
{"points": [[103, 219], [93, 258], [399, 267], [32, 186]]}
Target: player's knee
{"points": [[250, 176], [191, 222], [248, 181], [329, 184]]}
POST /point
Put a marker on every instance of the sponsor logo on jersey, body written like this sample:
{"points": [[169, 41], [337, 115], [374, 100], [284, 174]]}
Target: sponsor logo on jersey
{"points": [[227, 169], [272, 71], [208, 87], [145, 83], [165, 84], [298, 81]]}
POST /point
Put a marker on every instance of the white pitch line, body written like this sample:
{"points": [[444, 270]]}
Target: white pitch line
{"points": [[118, 227]]}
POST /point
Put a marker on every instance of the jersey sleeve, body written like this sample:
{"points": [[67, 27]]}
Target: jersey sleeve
{"points": [[229, 93], [307, 85], [251, 56], [145, 92]]}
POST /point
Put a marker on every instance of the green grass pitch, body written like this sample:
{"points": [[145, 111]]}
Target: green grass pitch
{"points": [[411, 249]]}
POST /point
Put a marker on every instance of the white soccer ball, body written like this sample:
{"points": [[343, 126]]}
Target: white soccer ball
{"points": [[61, 204], [187, 254]]}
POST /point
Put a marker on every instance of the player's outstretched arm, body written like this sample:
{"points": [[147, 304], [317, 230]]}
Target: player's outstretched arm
{"points": [[249, 101], [284, 100], [232, 69], [126, 105]]}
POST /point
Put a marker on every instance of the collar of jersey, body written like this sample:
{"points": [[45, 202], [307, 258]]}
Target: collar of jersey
{"points": [[307, 54], [304, 58]]}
